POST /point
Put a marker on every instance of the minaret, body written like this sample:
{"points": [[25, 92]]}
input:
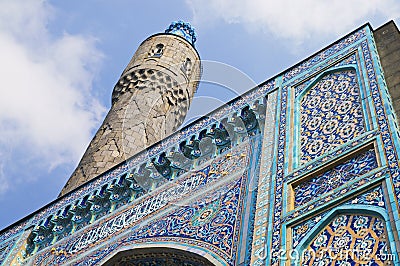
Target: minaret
{"points": [[149, 101]]}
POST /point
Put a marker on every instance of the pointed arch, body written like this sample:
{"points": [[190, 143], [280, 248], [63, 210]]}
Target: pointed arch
{"points": [[355, 233], [162, 251], [330, 113]]}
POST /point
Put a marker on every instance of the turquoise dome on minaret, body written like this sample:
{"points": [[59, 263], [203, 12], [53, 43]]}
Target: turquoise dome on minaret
{"points": [[183, 29]]}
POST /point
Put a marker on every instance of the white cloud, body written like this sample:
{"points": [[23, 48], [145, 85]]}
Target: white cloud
{"points": [[296, 20], [46, 104]]}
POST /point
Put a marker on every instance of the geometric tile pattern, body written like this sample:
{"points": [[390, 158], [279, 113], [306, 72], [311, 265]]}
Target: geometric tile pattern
{"points": [[211, 220], [364, 138], [5, 248], [373, 197], [361, 43], [334, 178], [330, 114], [382, 118], [350, 60], [263, 190], [336, 195], [208, 223], [349, 240]]}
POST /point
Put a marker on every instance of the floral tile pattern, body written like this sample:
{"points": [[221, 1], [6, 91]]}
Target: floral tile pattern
{"points": [[335, 177], [330, 114]]}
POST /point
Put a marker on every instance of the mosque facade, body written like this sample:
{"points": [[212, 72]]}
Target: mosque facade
{"points": [[303, 169]]}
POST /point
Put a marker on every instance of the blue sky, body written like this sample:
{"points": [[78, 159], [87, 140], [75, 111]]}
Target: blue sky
{"points": [[61, 60]]}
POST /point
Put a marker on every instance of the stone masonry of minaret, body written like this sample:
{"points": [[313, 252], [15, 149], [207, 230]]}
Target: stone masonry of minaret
{"points": [[387, 40], [149, 102]]}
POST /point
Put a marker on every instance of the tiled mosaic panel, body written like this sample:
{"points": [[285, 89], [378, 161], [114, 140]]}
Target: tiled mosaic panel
{"points": [[167, 144], [210, 223], [372, 197], [276, 234], [211, 220], [330, 114], [349, 240], [335, 177], [351, 60], [338, 194], [5, 248], [263, 195], [234, 160]]}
